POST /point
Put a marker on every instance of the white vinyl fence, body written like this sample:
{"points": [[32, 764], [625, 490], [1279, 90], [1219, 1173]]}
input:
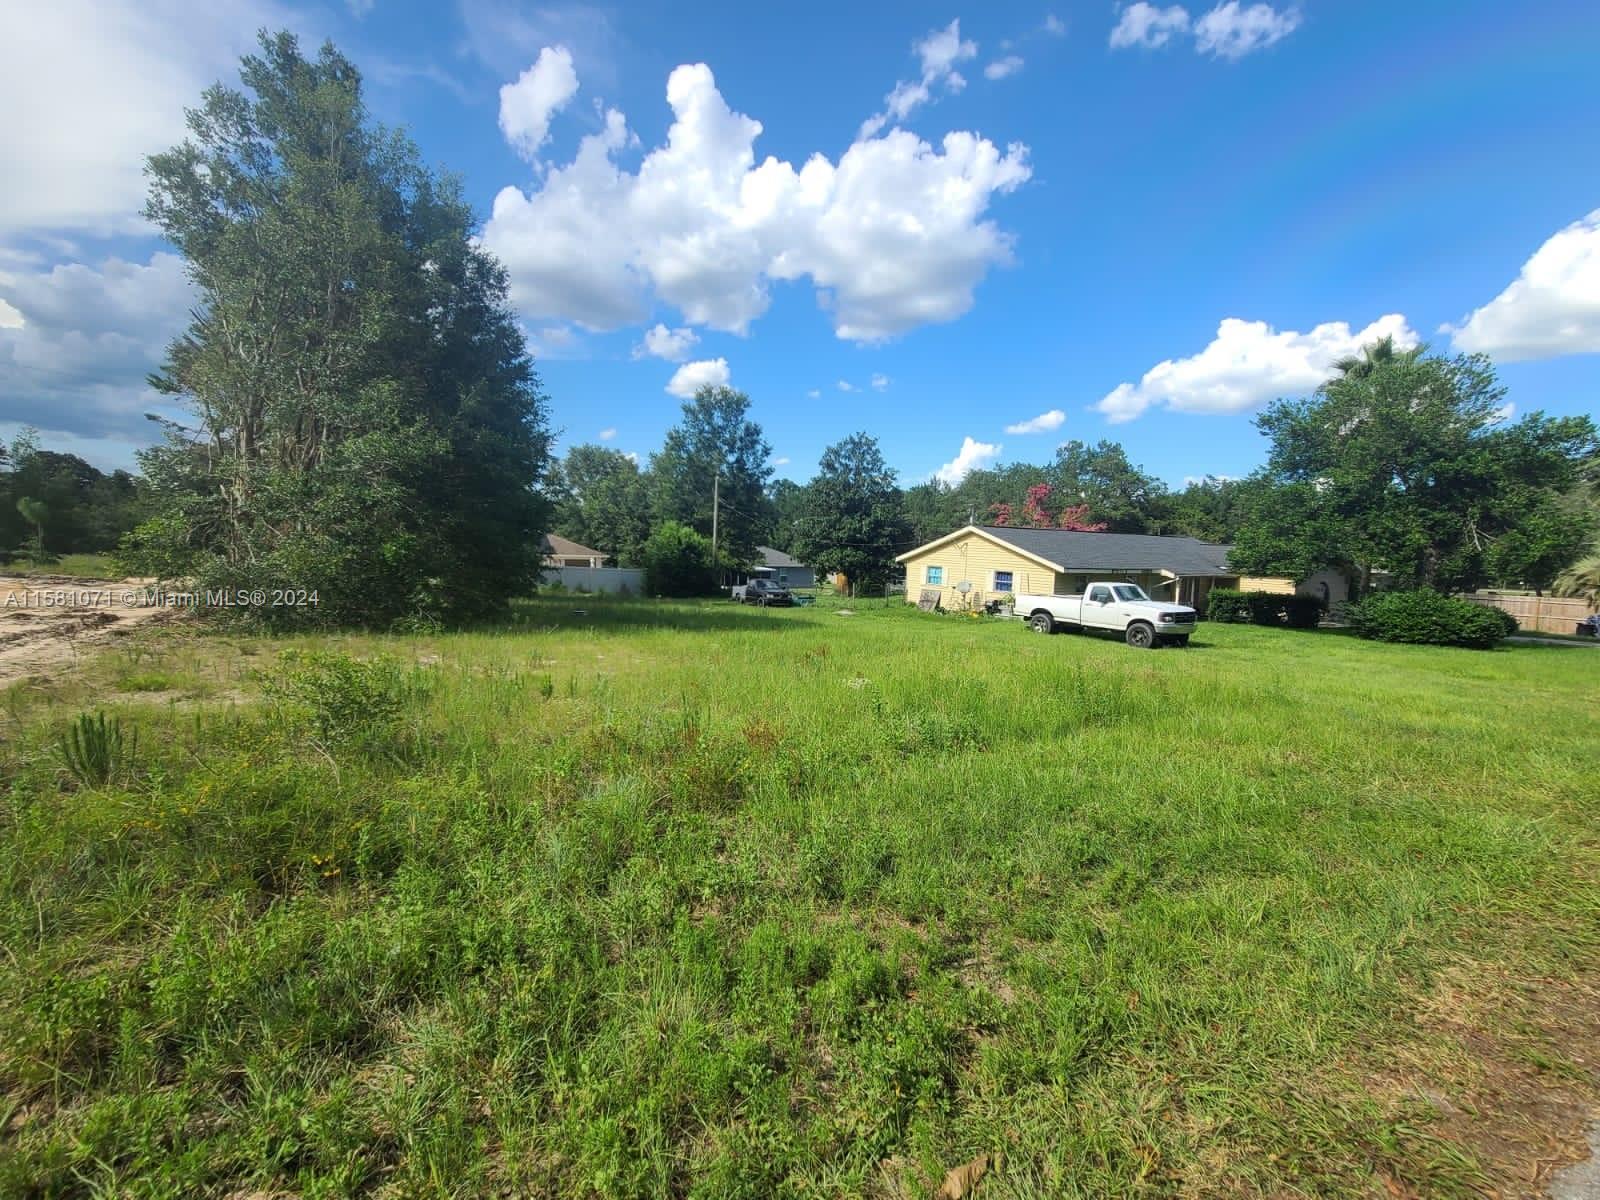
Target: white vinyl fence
{"points": [[620, 581]]}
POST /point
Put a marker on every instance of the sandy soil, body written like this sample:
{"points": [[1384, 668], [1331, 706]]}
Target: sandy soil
{"points": [[47, 622]]}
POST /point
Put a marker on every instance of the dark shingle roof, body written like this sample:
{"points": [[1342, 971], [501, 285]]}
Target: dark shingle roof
{"points": [[1075, 551], [776, 558]]}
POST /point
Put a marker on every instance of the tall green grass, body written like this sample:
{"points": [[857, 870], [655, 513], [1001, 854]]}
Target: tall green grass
{"points": [[650, 899]]}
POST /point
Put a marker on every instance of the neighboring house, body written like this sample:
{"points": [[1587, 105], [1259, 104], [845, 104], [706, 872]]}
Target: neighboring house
{"points": [[780, 567], [997, 560], [564, 552]]}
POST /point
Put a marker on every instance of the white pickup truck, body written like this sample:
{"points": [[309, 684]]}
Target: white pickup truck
{"points": [[1118, 607]]}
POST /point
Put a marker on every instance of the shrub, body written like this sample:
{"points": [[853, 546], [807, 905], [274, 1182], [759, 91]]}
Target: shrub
{"points": [[1426, 618], [347, 701], [1227, 605], [677, 562], [1302, 612], [94, 750], [1231, 606]]}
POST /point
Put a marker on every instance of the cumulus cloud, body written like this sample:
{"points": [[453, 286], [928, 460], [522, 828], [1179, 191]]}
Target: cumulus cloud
{"points": [[845, 385], [606, 435], [1001, 67], [939, 53], [892, 236], [540, 92], [880, 382], [1054, 25], [1551, 308], [691, 377], [1231, 31], [671, 344], [972, 455], [1143, 24], [780, 461], [73, 360], [1043, 423], [90, 87], [1247, 364]]}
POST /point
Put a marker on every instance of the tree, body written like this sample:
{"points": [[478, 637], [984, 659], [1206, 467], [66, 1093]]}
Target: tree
{"points": [[677, 562], [715, 443], [787, 500], [35, 513], [1404, 461], [1039, 511], [1208, 509], [853, 521], [604, 502], [370, 424], [1582, 578], [88, 511], [1101, 477]]}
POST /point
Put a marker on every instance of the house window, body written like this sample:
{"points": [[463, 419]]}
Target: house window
{"points": [[1002, 581], [935, 577]]}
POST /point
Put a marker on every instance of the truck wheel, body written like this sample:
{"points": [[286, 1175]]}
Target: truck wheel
{"points": [[1183, 641], [1141, 636], [1042, 622]]}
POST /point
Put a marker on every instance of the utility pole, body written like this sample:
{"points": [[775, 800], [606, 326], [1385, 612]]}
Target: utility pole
{"points": [[716, 500]]}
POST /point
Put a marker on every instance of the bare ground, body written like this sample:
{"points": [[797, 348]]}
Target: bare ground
{"points": [[48, 622]]}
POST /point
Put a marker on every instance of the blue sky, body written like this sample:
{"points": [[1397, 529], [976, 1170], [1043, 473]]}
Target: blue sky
{"points": [[973, 232]]}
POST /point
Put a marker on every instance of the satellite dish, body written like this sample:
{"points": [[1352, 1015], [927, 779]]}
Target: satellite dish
{"points": [[964, 586]]}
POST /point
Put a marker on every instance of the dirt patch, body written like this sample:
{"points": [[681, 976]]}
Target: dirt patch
{"points": [[47, 623], [1511, 1072]]}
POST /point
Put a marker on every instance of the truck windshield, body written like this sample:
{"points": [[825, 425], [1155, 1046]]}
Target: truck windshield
{"points": [[1129, 591]]}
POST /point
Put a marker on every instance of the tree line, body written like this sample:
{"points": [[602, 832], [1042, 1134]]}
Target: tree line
{"points": [[53, 504]]}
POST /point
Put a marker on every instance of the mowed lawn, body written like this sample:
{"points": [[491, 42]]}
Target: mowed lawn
{"points": [[693, 900]]}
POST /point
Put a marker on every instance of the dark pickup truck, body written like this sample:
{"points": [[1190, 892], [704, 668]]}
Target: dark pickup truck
{"points": [[763, 592]]}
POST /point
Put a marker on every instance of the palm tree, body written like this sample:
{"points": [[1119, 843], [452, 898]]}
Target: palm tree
{"points": [[1582, 578], [1372, 357]]}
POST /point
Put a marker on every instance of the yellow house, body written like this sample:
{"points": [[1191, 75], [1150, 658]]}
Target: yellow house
{"points": [[979, 563]]}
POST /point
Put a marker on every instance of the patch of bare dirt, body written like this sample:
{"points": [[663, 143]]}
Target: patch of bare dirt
{"points": [[48, 622], [1511, 1072]]}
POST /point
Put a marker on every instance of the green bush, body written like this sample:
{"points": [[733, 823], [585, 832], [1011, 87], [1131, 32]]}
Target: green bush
{"points": [[677, 562], [1233, 607], [346, 701], [1302, 612], [1426, 618], [1228, 606]]}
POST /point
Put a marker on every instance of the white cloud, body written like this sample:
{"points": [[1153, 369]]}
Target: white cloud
{"points": [[75, 358], [814, 394], [880, 382], [691, 377], [540, 92], [1054, 25], [971, 456], [939, 53], [90, 87], [1232, 31], [671, 344], [1146, 25], [632, 456], [1043, 423], [780, 462], [1001, 67], [1247, 364], [606, 435], [845, 385], [1504, 413], [893, 236], [1229, 30], [10, 318], [1551, 308]]}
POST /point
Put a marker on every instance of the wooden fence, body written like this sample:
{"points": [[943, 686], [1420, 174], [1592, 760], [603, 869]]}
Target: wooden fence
{"points": [[1541, 614]]}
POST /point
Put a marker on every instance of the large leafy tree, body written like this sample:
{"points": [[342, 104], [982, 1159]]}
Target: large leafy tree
{"points": [[715, 443], [85, 510], [1102, 477], [853, 520], [603, 501], [787, 500], [1405, 461], [370, 424]]}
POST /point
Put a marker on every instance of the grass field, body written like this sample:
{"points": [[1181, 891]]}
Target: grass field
{"points": [[678, 900]]}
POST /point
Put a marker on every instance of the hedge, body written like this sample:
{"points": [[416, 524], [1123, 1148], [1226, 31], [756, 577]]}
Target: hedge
{"points": [[1425, 618], [1231, 606]]}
